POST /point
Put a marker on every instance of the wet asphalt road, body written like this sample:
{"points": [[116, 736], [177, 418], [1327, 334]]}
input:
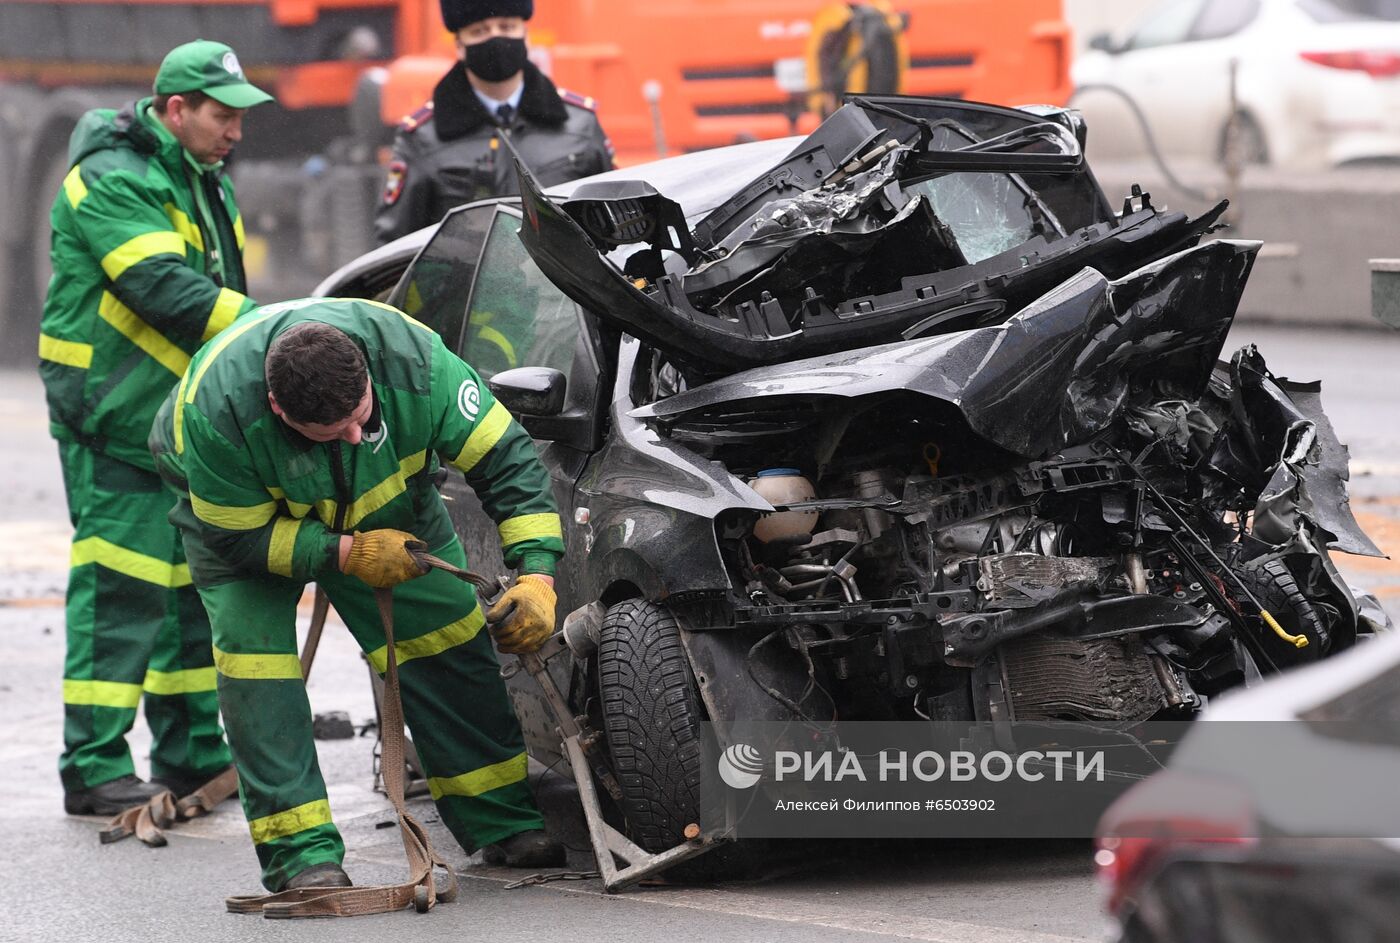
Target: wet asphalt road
{"points": [[58, 883]]}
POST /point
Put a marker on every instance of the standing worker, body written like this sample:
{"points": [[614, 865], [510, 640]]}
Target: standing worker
{"points": [[306, 439], [449, 151], [147, 266]]}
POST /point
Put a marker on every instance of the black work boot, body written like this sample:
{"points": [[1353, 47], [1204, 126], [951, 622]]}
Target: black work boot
{"points": [[329, 874], [532, 849], [182, 785], [111, 797]]}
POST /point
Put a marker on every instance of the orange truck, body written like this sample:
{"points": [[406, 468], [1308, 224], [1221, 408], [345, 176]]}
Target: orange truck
{"points": [[669, 76]]}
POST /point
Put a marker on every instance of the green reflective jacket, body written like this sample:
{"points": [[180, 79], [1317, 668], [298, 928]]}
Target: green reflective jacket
{"points": [[265, 499], [137, 284]]}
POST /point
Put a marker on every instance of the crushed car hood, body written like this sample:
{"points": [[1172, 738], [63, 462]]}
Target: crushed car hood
{"points": [[1052, 375], [853, 256]]}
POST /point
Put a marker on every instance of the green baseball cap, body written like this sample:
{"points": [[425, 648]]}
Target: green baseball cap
{"points": [[211, 68]]}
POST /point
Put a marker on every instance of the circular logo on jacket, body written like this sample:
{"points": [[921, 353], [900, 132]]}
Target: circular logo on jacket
{"points": [[378, 436], [740, 766], [230, 64], [469, 399]]}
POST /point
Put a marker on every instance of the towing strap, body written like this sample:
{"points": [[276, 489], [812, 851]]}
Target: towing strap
{"points": [[421, 889]]}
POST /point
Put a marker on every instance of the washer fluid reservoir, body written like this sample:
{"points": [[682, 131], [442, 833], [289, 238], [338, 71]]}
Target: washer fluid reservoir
{"points": [[783, 486]]}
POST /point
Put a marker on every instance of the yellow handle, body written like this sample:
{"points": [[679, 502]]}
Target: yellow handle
{"points": [[1297, 641]]}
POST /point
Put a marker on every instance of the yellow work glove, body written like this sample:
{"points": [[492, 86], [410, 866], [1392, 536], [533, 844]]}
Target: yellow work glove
{"points": [[523, 619], [381, 557]]}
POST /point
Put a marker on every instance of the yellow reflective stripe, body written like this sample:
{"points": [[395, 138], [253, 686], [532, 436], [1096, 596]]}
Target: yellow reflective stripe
{"points": [[257, 667], [130, 326], [325, 506], [101, 693], [179, 419], [284, 541], [483, 438], [281, 824], [218, 348], [530, 527], [480, 781], [439, 640], [68, 353], [232, 518], [225, 310], [239, 236], [386, 491], [182, 224], [228, 337], [138, 566], [141, 248], [493, 336], [185, 681], [74, 188], [387, 307]]}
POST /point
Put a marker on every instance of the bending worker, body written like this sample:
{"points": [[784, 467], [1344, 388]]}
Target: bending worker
{"points": [[305, 440], [147, 266], [449, 152]]}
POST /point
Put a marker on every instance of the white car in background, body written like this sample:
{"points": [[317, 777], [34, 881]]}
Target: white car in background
{"points": [[1318, 82]]}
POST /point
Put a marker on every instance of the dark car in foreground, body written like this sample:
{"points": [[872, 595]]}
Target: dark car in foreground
{"points": [[1276, 818], [905, 419]]}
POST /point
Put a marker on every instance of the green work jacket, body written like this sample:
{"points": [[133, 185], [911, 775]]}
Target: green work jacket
{"points": [[263, 499], [147, 266]]}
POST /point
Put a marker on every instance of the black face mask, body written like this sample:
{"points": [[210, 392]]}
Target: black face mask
{"points": [[497, 59]]}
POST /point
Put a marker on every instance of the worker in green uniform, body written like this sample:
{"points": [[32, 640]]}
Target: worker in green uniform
{"points": [[305, 440], [147, 262]]}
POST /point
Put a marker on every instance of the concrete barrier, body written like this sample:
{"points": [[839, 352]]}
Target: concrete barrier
{"points": [[1320, 233], [1385, 291]]}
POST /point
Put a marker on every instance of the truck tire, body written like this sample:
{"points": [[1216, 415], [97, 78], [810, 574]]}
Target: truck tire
{"points": [[651, 721]]}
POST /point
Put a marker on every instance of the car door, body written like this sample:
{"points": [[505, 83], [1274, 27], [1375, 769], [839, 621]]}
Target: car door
{"points": [[497, 311], [512, 316]]}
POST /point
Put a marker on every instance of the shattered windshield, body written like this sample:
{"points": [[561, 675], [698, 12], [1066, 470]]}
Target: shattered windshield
{"points": [[987, 213]]}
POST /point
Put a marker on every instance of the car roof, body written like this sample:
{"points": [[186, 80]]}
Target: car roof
{"points": [[699, 181]]}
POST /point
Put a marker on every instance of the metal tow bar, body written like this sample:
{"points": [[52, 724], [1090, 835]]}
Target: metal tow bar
{"points": [[609, 845]]}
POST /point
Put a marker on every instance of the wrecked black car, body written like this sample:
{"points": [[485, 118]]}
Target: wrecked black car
{"points": [[915, 423]]}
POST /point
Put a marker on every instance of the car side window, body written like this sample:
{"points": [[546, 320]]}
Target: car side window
{"points": [[1167, 24], [437, 284], [1222, 18], [517, 318]]}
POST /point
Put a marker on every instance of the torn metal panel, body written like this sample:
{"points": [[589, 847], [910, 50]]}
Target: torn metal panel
{"points": [[1051, 376], [1298, 449]]}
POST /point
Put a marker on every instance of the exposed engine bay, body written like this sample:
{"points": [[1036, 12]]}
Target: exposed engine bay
{"points": [[915, 572]]}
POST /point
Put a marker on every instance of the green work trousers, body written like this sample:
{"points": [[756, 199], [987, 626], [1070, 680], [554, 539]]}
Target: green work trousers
{"points": [[454, 703], [136, 628]]}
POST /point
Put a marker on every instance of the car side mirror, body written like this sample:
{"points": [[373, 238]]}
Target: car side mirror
{"points": [[1103, 42], [530, 391]]}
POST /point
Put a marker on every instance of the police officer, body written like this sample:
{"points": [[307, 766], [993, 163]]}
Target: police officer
{"points": [[303, 442], [147, 261], [449, 152]]}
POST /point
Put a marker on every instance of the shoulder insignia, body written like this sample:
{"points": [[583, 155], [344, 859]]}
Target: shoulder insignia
{"points": [[581, 101], [393, 182], [416, 120]]}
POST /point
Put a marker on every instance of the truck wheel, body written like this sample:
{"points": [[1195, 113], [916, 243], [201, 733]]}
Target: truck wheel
{"points": [[651, 719]]}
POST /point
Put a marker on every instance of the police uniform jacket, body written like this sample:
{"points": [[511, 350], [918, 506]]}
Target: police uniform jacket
{"points": [[449, 152]]}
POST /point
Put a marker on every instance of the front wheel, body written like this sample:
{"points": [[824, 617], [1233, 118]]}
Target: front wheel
{"points": [[651, 720]]}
